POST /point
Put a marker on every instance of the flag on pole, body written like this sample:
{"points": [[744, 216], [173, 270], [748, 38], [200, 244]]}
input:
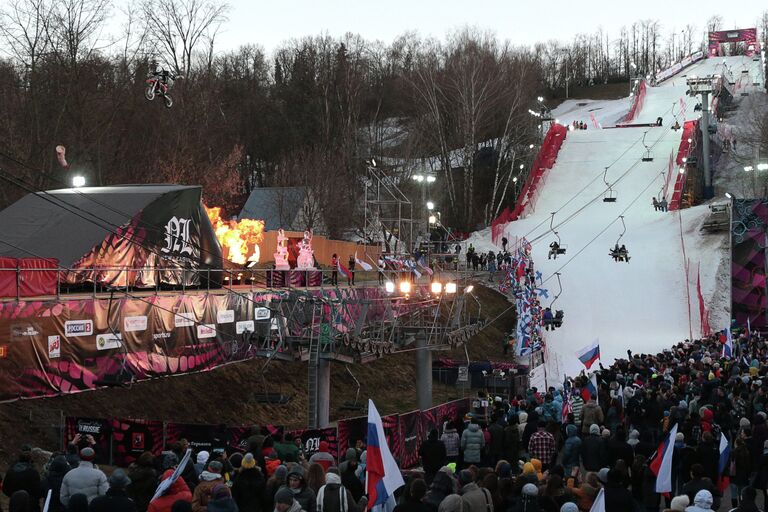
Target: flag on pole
{"points": [[724, 479], [567, 409], [661, 466], [423, 264], [382, 476], [599, 504], [728, 344], [344, 270], [590, 389], [365, 266], [589, 354]]}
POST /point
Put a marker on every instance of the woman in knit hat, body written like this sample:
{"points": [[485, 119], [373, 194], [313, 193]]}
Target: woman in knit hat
{"points": [[249, 485]]}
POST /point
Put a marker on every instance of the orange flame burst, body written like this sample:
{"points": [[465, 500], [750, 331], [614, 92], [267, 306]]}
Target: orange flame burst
{"points": [[239, 239]]}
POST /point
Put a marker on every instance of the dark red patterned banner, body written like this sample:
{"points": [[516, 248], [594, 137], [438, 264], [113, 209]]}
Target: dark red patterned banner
{"points": [[412, 436], [131, 438]]}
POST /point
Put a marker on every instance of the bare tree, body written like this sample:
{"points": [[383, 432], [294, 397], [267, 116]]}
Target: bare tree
{"points": [[182, 27], [715, 23]]}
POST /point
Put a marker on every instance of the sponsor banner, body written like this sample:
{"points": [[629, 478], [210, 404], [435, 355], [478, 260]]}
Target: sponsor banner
{"points": [[77, 431], [206, 331], [19, 331], [214, 437], [310, 440], [54, 347], [78, 328], [108, 341], [161, 336], [412, 436], [245, 326], [134, 323], [262, 313], [184, 319], [226, 316]]}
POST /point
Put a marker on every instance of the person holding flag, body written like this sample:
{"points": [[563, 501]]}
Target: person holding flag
{"points": [[382, 476], [334, 270]]}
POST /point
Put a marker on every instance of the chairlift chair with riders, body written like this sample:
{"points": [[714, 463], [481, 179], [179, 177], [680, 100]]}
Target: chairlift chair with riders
{"points": [[620, 253], [610, 194], [556, 248], [555, 320]]}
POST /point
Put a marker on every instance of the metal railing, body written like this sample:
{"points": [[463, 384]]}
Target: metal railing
{"points": [[96, 280]]}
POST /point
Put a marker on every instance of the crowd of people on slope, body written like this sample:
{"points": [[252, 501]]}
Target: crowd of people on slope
{"points": [[273, 474], [554, 450]]}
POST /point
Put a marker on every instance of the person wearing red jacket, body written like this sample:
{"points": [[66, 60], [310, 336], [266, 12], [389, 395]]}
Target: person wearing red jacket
{"points": [[178, 491]]}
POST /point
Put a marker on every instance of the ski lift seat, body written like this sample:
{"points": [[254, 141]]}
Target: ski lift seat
{"points": [[610, 197]]}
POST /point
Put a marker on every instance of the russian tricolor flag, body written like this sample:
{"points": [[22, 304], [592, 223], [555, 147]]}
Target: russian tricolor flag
{"points": [[728, 344], [590, 389], [589, 354], [344, 270], [661, 466], [383, 476], [725, 454]]}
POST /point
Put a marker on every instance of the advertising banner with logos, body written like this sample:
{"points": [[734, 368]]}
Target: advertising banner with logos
{"points": [[55, 347]]}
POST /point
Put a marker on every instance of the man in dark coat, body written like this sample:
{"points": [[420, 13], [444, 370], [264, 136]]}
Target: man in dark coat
{"points": [[52, 482], [433, 455], [24, 477], [116, 499], [496, 446], [593, 455]]}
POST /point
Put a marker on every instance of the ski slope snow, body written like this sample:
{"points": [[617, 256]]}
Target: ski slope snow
{"points": [[649, 303]]}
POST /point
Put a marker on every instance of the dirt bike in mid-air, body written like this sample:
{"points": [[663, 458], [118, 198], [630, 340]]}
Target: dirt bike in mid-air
{"points": [[160, 84]]}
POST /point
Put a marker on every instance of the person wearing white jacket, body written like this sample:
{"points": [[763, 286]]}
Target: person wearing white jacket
{"points": [[84, 479]]}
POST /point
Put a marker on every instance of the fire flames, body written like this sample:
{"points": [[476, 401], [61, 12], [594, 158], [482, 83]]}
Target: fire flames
{"points": [[239, 239]]}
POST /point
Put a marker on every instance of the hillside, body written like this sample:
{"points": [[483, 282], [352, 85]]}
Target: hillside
{"points": [[226, 395]]}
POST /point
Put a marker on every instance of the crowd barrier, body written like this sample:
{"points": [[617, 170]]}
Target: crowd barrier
{"points": [[526, 200], [684, 150], [637, 103], [120, 442], [677, 67]]}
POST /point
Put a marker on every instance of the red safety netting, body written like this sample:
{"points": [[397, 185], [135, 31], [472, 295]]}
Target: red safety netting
{"points": [[683, 151], [637, 103], [526, 200], [703, 313], [28, 277]]}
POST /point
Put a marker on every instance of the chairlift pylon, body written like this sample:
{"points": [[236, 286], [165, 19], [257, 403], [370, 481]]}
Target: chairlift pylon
{"points": [[610, 194]]}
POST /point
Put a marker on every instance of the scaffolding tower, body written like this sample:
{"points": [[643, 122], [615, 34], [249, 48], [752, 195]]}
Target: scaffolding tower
{"points": [[388, 211]]}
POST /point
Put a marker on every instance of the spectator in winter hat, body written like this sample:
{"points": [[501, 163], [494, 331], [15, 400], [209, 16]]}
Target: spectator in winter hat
{"points": [[323, 457], [301, 491], [285, 502], [249, 485], [221, 500], [84, 479], [678, 504], [202, 460], [209, 479], [116, 499]]}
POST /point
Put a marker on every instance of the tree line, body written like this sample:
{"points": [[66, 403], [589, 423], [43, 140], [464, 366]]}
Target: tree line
{"points": [[307, 114]]}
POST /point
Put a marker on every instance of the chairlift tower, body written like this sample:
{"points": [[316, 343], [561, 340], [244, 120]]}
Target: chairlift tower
{"points": [[704, 86], [387, 209]]}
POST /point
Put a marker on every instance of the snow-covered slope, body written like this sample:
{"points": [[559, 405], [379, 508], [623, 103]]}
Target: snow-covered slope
{"points": [[649, 303]]}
